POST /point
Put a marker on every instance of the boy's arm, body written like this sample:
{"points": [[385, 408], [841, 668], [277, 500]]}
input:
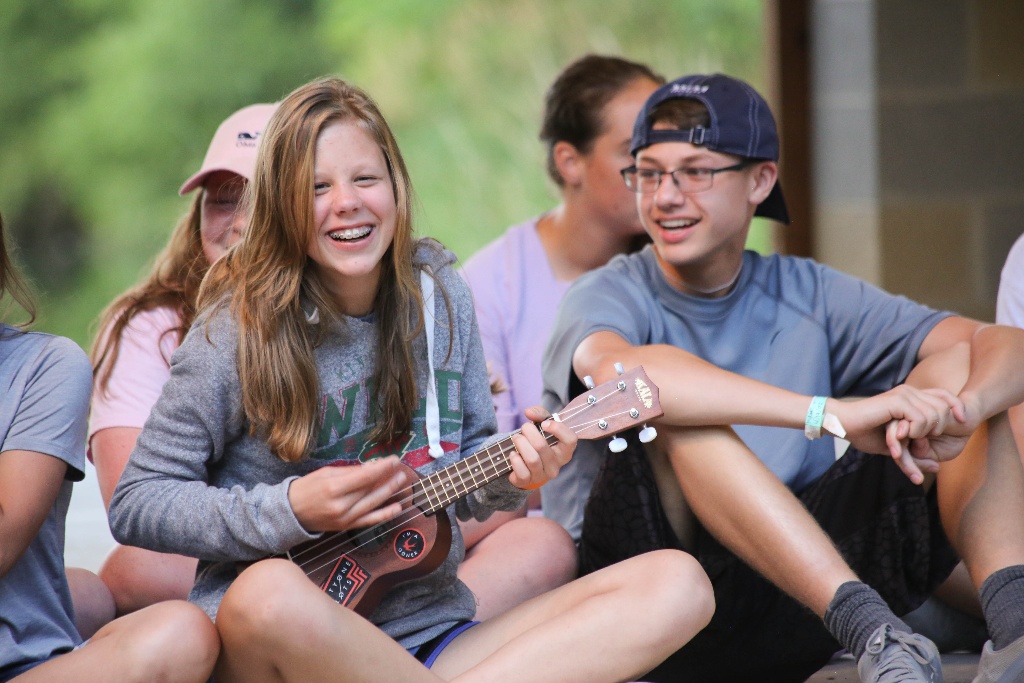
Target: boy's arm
{"points": [[994, 381], [979, 362], [29, 485], [695, 393]]}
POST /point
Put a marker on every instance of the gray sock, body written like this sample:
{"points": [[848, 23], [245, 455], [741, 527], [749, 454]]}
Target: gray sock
{"points": [[1002, 603], [856, 611]]}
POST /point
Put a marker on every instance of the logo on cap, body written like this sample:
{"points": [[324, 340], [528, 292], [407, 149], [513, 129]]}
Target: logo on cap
{"points": [[688, 89], [247, 139]]}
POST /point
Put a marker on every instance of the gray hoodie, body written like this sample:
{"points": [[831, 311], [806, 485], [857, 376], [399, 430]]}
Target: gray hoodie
{"points": [[199, 484]]}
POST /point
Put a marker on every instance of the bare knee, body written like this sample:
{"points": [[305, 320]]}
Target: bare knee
{"points": [[544, 556], [94, 605], [518, 561], [171, 641], [548, 547], [676, 593], [138, 578], [257, 607], [474, 531]]}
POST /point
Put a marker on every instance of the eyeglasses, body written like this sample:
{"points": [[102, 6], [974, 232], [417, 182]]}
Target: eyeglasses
{"points": [[687, 179]]}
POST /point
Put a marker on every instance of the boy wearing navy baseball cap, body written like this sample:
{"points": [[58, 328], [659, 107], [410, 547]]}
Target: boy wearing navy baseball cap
{"points": [[752, 354]]}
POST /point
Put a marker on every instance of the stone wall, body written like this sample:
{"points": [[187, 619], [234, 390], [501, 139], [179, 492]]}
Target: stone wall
{"points": [[919, 144]]}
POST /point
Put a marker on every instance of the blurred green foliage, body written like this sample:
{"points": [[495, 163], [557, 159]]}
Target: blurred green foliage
{"points": [[108, 105]]}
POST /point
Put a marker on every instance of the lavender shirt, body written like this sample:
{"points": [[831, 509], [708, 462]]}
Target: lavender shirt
{"points": [[516, 296]]}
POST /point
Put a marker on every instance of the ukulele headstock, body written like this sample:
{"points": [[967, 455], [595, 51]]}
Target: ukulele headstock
{"points": [[626, 401]]}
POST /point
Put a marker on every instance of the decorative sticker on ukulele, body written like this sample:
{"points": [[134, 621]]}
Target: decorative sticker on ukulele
{"points": [[644, 393], [409, 544], [345, 580]]}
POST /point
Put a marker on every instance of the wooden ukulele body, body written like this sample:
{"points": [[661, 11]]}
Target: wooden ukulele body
{"points": [[357, 568]]}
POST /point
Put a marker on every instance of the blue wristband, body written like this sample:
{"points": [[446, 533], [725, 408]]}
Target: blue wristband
{"points": [[815, 416]]}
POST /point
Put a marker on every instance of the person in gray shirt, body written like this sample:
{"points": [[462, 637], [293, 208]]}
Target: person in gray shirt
{"points": [[771, 344], [43, 408], [333, 355]]}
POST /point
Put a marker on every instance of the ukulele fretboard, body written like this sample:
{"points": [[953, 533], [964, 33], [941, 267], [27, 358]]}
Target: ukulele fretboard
{"points": [[440, 489]]}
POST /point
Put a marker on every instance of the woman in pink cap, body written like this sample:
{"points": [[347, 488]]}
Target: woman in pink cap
{"points": [[141, 329]]}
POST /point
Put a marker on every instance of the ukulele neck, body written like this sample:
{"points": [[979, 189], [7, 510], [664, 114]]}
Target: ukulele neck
{"points": [[440, 489]]}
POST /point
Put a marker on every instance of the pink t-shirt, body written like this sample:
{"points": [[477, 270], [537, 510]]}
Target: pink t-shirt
{"points": [[142, 368], [516, 296]]}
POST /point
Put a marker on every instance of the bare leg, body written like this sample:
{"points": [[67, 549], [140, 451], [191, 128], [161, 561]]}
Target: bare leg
{"points": [[612, 625], [173, 642], [138, 578], [981, 492], [608, 626], [745, 506], [981, 498], [515, 561], [277, 626], [959, 591], [473, 531], [94, 605], [1017, 424]]}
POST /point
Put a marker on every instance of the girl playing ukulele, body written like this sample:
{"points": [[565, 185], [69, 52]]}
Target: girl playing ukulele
{"points": [[331, 336]]}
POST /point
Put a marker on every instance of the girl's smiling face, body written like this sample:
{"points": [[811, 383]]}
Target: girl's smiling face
{"points": [[354, 214]]}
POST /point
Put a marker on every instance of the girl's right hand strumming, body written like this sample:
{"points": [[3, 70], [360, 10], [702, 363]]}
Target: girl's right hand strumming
{"points": [[340, 498]]}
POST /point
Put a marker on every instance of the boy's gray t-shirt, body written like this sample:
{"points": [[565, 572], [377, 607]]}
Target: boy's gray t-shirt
{"points": [[44, 397], [199, 484], [789, 322]]}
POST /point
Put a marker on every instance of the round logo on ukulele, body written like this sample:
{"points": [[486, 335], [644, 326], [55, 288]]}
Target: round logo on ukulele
{"points": [[409, 544]]}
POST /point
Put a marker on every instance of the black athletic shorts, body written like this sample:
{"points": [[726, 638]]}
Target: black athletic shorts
{"points": [[886, 528]]}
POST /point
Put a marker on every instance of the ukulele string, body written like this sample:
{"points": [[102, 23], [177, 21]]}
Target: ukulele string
{"points": [[487, 467], [373, 533], [490, 469]]}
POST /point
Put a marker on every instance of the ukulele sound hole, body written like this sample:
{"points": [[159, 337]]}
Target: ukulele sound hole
{"points": [[374, 539]]}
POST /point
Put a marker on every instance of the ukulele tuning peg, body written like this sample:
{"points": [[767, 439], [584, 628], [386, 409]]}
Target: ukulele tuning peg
{"points": [[648, 434], [617, 445], [588, 381], [619, 369]]}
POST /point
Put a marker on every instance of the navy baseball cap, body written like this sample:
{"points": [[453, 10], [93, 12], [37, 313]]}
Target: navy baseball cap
{"points": [[741, 124]]}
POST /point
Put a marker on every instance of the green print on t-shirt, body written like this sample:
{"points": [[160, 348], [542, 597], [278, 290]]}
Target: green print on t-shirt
{"points": [[345, 424]]}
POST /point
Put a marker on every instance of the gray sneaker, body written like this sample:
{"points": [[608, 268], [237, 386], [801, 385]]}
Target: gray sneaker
{"points": [[1002, 666], [898, 657]]}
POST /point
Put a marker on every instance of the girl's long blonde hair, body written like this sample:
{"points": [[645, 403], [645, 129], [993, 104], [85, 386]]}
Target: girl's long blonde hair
{"points": [[268, 276]]}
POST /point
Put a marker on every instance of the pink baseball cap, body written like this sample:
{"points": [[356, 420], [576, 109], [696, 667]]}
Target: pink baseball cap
{"points": [[234, 145]]}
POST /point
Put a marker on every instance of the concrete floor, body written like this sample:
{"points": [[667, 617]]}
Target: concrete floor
{"points": [[956, 668], [87, 538]]}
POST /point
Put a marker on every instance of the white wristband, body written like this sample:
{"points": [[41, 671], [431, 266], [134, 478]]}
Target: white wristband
{"points": [[815, 417]]}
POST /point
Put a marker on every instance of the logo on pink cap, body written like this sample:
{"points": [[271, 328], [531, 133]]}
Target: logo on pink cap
{"points": [[234, 145]]}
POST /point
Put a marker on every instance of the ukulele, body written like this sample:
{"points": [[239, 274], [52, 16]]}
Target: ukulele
{"points": [[358, 567]]}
